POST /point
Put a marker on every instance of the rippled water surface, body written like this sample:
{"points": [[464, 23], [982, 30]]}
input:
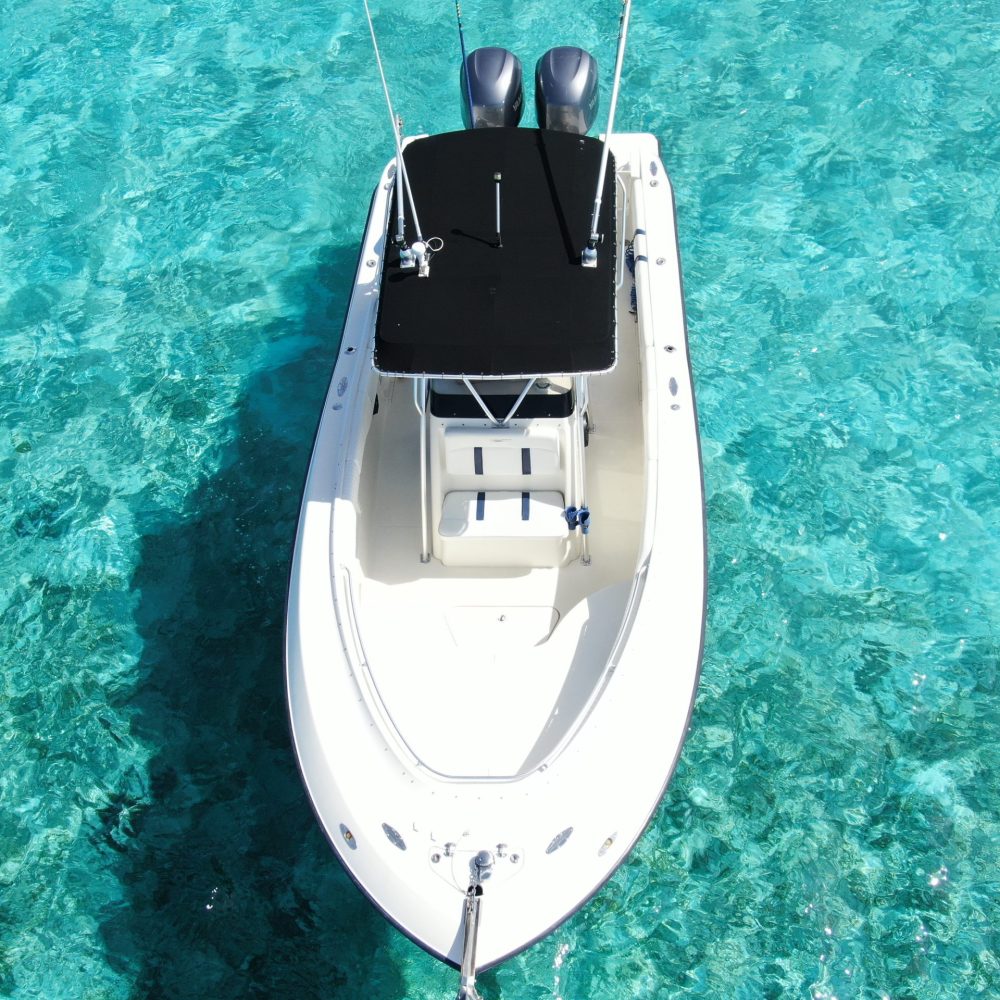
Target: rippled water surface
{"points": [[182, 189]]}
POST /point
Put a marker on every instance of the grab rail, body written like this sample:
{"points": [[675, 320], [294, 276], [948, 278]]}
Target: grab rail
{"points": [[622, 224]]}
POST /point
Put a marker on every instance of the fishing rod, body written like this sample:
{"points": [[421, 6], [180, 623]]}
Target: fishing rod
{"points": [[588, 257], [465, 64], [417, 254]]}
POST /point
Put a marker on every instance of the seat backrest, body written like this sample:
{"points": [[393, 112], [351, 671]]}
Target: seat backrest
{"points": [[529, 459], [501, 454]]}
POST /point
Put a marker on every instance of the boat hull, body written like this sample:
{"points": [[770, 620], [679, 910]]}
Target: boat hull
{"points": [[555, 832]]}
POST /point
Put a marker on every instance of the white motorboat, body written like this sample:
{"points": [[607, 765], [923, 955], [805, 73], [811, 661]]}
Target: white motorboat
{"points": [[497, 598]]}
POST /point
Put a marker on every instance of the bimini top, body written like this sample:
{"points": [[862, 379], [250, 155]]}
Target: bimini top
{"points": [[525, 308]]}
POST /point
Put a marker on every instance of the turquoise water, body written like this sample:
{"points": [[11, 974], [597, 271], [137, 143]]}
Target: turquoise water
{"points": [[182, 189]]}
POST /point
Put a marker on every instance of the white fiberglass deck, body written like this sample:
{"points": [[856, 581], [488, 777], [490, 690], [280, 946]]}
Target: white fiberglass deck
{"points": [[519, 649]]}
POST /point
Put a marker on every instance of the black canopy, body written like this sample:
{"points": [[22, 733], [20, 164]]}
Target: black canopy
{"points": [[526, 308]]}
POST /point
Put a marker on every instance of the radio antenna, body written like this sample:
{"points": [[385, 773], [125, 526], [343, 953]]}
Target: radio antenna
{"points": [[408, 257], [588, 258]]}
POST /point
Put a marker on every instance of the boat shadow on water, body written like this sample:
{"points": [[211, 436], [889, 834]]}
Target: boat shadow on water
{"points": [[229, 889]]}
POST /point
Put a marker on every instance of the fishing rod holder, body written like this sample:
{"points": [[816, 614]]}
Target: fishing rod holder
{"points": [[423, 251], [407, 259], [422, 258]]}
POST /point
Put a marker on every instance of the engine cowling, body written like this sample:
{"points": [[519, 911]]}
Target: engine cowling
{"points": [[492, 88], [566, 90]]}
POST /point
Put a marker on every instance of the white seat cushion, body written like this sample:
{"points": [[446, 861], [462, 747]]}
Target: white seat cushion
{"points": [[503, 528]]}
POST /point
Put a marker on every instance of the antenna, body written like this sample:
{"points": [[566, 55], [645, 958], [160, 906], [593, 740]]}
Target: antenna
{"points": [[465, 65], [408, 257], [588, 257]]}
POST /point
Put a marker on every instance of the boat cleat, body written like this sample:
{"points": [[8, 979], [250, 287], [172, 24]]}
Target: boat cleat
{"points": [[463, 866]]}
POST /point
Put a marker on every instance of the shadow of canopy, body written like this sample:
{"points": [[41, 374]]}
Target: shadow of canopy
{"points": [[231, 888]]}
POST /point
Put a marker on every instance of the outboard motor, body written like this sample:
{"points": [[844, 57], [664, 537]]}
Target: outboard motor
{"points": [[566, 90], [491, 82]]}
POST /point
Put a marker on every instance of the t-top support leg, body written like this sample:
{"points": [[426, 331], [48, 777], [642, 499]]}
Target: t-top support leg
{"points": [[420, 401]]}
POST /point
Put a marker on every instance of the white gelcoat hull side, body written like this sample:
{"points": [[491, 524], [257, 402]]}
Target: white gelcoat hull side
{"points": [[608, 775]]}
